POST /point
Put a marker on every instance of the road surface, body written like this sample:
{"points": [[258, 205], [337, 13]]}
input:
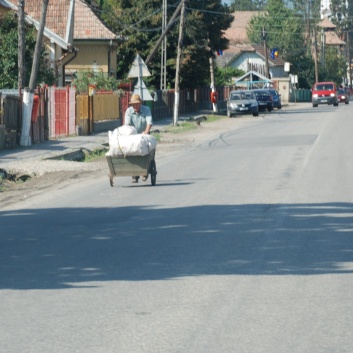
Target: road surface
{"points": [[244, 245]]}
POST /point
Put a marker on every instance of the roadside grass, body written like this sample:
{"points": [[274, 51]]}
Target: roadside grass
{"points": [[2, 185], [9, 179], [95, 154], [211, 118], [184, 126]]}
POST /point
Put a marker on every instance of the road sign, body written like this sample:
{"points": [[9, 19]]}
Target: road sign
{"points": [[138, 68], [142, 91]]}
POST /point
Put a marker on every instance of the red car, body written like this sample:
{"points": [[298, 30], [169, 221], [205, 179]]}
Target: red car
{"points": [[343, 96], [324, 93]]}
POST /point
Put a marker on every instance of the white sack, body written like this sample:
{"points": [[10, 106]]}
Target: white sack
{"points": [[132, 145], [126, 130]]}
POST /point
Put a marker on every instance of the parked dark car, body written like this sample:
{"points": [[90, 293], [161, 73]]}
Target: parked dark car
{"points": [[343, 96], [264, 99], [242, 102], [276, 98]]}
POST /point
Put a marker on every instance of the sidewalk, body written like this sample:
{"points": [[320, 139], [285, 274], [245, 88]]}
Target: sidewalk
{"points": [[51, 155], [66, 145], [40, 157]]}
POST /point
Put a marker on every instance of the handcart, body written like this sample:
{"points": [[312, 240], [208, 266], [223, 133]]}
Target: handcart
{"points": [[132, 166]]}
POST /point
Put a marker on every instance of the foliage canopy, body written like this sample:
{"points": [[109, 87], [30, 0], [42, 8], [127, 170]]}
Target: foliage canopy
{"points": [[248, 5], [290, 28], [9, 55], [140, 22]]}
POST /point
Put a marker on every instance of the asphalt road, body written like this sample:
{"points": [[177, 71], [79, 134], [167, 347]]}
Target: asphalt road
{"points": [[244, 245]]}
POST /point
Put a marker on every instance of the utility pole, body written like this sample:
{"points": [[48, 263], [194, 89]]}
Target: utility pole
{"points": [[21, 45], [28, 94], [163, 83], [315, 57], [213, 86], [323, 43], [264, 35], [167, 29], [178, 64], [38, 47], [349, 59]]}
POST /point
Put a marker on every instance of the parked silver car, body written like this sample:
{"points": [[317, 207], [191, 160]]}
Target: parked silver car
{"points": [[242, 102]]}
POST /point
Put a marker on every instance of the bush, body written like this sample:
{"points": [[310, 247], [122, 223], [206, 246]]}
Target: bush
{"points": [[101, 82]]}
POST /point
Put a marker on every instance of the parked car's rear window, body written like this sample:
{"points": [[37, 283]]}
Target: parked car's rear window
{"points": [[235, 97], [262, 93], [241, 95]]}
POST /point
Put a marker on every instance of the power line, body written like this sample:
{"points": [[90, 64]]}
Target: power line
{"points": [[207, 11]]}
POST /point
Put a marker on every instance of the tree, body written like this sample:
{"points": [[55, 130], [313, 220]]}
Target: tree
{"points": [[225, 76], [335, 66], [285, 29], [248, 5], [28, 94], [9, 54], [85, 78], [342, 12], [140, 22], [21, 44], [292, 27]]}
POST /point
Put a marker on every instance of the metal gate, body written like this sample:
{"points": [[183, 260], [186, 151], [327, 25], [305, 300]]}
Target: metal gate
{"points": [[61, 116], [62, 113], [124, 104]]}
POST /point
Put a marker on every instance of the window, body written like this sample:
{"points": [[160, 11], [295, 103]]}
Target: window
{"points": [[322, 87]]}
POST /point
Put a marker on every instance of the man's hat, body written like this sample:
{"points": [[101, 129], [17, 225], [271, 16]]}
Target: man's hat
{"points": [[135, 98]]}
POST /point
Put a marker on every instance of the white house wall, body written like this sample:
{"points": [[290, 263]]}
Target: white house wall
{"points": [[93, 57], [243, 61]]}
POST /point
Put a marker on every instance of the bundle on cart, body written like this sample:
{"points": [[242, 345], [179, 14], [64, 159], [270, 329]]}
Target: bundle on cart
{"points": [[131, 154], [125, 141]]}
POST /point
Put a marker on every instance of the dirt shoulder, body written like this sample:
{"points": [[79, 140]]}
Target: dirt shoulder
{"points": [[58, 174]]}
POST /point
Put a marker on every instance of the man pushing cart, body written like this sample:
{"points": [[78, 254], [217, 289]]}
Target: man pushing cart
{"points": [[133, 150], [140, 117]]}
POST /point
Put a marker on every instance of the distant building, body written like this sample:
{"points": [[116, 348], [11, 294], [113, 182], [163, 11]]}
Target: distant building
{"points": [[331, 37], [244, 55], [325, 10]]}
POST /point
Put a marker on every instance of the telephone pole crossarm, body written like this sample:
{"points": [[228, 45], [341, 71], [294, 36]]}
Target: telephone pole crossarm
{"points": [[167, 29]]}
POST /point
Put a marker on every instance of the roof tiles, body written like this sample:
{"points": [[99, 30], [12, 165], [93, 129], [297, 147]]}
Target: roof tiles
{"points": [[236, 33], [86, 24]]}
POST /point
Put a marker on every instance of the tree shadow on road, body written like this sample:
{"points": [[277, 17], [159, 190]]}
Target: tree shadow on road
{"points": [[77, 247]]}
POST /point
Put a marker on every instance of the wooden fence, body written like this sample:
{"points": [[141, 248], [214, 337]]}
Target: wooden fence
{"points": [[96, 109], [62, 113]]}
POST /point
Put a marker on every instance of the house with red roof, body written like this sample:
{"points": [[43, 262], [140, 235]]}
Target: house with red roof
{"points": [[244, 55], [75, 37], [251, 58]]}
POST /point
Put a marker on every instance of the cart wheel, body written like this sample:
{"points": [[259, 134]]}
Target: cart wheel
{"points": [[153, 172]]}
